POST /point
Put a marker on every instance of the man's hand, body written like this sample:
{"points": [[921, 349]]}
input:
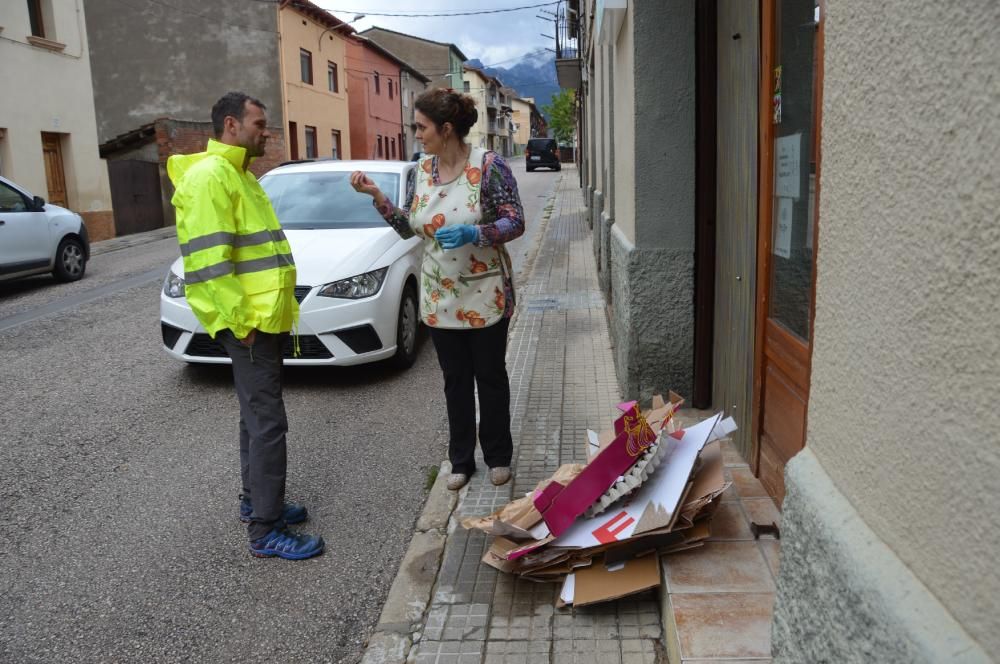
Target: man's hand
{"points": [[249, 339], [453, 237]]}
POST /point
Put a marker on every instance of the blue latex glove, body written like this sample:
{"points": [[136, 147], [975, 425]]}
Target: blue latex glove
{"points": [[453, 237]]}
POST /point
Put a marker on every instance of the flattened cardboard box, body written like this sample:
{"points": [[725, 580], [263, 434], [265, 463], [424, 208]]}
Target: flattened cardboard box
{"points": [[601, 582], [669, 512]]}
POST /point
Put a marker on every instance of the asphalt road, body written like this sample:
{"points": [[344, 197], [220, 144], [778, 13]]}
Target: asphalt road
{"points": [[119, 540]]}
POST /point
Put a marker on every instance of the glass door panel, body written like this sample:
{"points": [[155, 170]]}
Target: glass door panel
{"points": [[793, 207]]}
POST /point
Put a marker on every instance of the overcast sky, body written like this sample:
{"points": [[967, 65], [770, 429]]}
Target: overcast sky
{"points": [[496, 39]]}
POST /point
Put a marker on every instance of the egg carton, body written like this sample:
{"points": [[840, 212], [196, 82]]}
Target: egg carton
{"points": [[633, 479]]}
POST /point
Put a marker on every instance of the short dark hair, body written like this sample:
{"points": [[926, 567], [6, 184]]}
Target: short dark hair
{"points": [[232, 104]]}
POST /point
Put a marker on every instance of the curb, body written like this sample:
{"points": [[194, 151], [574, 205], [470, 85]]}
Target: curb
{"points": [[131, 240], [409, 597]]}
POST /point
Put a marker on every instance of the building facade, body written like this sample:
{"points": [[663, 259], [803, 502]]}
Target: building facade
{"points": [[189, 53], [520, 118], [527, 122], [438, 61], [314, 71], [413, 84], [48, 127], [776, 241], [373, 79], [476, 85]]}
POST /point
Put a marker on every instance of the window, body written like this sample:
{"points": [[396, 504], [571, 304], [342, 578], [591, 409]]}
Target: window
{"points": [[406, 94], [378, 87], [293, 140], [466, 86], [335, 141], [35, 18], [380, 154], [331, 76], [306, 65], [390, 88], [311, 151], [392, 142], [11, 201]]}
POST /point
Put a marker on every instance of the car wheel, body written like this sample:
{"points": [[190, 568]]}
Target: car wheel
{"points": [[558, 167], [529, 169], [406, 330], [71, 261]]}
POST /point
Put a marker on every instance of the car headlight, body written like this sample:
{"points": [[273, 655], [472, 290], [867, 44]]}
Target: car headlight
{"points": [[173, 286], [356, 287]]}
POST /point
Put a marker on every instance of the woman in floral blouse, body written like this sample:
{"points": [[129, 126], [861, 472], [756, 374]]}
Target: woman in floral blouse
{"points": [[465, 207]]}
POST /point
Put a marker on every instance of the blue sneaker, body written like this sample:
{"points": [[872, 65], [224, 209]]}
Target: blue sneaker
{"points": [[292, 513], [287, 545]]}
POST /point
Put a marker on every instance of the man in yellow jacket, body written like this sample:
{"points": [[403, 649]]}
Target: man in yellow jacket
{"points": [[240, 282]]}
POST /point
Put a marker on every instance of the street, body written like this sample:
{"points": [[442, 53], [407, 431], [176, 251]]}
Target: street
{"points": [[119, 540]]}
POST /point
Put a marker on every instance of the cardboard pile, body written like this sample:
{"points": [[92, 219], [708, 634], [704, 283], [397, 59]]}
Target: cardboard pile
{"points": [[648, 488]]}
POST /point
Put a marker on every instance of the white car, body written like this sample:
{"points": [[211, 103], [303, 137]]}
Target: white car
{"points": [[357, 279], [38, 237]]}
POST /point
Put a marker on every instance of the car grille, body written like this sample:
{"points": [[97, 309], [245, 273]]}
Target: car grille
{"points": [[301, 292], [310, 347]]}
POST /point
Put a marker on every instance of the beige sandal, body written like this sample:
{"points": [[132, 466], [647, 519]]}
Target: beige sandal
{"points": [[500, 475], [457, 480]]}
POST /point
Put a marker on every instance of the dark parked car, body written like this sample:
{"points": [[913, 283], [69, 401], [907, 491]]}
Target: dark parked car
{"points": [[542, 152]]}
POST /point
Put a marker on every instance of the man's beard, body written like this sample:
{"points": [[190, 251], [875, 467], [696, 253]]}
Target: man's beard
{"points": [[255, 149]]}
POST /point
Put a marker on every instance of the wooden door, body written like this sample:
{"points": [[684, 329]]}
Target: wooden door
{"points": [[135, 196], [791, 84], [55, 175], [738, 39]]}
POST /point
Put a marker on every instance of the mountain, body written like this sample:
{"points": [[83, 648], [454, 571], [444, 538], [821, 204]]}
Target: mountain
{"points": [[534, 75]]}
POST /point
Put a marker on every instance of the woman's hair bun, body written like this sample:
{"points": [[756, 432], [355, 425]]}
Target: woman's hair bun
{"points": [[442, 105]]}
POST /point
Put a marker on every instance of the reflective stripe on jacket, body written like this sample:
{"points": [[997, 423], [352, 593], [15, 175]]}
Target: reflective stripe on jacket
{"points": [[238, 267]]}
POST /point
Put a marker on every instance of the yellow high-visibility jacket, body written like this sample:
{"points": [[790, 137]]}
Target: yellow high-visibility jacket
{"points": [[238, 268]]}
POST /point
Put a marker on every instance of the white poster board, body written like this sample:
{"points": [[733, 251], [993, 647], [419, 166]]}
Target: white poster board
{"points": [[788, 164], [783, 228]]}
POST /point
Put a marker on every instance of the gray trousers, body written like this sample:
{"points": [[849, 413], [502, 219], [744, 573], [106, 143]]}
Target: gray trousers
{"points": [[257, 374]]}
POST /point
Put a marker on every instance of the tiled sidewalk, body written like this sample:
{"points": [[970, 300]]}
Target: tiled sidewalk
{"points": [[562, 383]]}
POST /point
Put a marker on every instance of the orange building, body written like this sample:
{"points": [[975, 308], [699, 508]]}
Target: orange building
{"points": [[374, 100], [313, 58]]}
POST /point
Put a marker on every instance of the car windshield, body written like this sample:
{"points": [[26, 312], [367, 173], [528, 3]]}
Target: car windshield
{"points": [[325, 199]]}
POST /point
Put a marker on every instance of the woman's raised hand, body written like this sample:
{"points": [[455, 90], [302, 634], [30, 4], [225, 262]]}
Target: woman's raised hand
{"points": [[364, 184]]}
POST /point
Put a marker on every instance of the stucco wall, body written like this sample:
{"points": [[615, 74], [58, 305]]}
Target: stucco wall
{"points": [[431, 59], [412, 88], [314, 105], [902, 411], [650, 246], [477, 90], [372, 113], [63, 105], [176, 59], [624, 92]]}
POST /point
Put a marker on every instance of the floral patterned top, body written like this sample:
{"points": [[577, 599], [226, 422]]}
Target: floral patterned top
{"points": [[502, 217]]}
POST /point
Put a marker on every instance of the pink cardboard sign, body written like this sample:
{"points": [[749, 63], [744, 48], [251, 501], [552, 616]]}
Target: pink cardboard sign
{"points": [[560, 505]]}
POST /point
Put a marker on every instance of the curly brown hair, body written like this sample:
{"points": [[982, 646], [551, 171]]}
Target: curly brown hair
{"points": [[442, 105]]}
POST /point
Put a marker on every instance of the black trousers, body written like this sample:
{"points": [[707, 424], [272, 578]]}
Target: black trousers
{"points": [[476, 358], [257, 374]]}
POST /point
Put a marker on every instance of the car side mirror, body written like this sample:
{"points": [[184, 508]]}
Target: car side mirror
{"points": [[38, 202]]}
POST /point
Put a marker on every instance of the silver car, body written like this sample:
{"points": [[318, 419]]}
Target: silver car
{"points": [[38, 237]]}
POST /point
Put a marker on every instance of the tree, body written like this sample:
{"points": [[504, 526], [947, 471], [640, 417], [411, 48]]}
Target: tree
{"points": [[562, 115]]}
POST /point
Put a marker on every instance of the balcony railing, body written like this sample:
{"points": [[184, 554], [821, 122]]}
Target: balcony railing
{"points": [[567, 53]]}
